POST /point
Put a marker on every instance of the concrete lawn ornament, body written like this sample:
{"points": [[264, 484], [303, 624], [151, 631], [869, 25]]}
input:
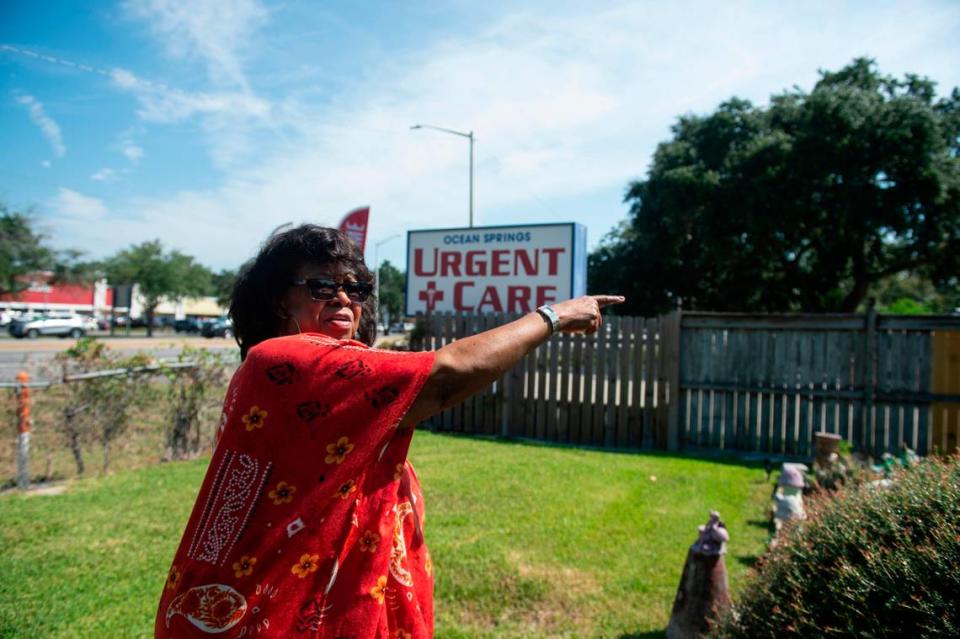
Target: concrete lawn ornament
{"points": [[703, 591], [830, 469], [788, 495]]}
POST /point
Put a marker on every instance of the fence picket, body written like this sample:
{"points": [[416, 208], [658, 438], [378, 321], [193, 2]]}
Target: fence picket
{"points": [[586, 412]]}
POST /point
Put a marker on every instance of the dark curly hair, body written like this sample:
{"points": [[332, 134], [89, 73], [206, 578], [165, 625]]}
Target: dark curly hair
{"points": [[262, 281]]}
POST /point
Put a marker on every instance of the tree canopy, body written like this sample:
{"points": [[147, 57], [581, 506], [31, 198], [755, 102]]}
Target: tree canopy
{"points": [[158, 273], [222, 284], [805, 204], [22, 250], [392, 283]]}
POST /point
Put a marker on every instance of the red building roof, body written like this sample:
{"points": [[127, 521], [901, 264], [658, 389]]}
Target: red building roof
{"points": [[42, 292]]}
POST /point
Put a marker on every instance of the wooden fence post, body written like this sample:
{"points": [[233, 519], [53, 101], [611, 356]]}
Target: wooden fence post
{"points": [[869, 378], [668, 390], [22, 390]]}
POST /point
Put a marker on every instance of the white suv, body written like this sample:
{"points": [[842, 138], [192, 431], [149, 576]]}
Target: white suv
{"points": [[74, 326]]}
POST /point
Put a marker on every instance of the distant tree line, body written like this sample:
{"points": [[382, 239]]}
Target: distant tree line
{"points": [[813, 203], [160, 273]]}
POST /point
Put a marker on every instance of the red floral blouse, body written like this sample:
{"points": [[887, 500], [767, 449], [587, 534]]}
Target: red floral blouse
{"points": [[309, 522]]}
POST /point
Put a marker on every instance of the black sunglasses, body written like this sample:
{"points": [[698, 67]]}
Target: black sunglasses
{"points": [[324, 290]]}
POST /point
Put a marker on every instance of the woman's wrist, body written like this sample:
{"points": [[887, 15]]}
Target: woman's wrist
{"points": [[551, 317]]}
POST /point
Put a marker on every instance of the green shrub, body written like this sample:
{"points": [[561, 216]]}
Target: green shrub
{"points": [[868, 562]]}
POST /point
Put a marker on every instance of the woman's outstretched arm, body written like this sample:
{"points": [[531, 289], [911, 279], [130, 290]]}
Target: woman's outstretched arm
{"points": [[469, 365]]}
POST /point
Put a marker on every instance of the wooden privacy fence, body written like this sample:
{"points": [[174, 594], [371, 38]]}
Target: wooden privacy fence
{"points": [[754, 383], [769, 382], [600, 390]]}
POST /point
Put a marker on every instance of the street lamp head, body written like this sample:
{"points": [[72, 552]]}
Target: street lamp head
{"points": [[416, 126]]}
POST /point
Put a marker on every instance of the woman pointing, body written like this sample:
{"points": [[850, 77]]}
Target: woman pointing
{"points": [[309, 520]]}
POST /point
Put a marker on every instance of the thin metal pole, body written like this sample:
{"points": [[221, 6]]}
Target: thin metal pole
{"points": [[470, 137], [471, 179], [376, 276], [376, 284], [23, 427]]}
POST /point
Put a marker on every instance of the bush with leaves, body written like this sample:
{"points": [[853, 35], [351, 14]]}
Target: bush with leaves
{"points": [[97, 408], [193, 394], [868, 562]]}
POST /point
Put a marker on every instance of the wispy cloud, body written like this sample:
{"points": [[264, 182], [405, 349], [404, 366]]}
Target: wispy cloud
{"points": [[131, 151], [80, 207], [568, 105], [213, 32], [104, 175], [218, 34], [162, 104], [46, 124]]}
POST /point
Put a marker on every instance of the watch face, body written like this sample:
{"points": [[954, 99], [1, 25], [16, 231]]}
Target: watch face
{"points": [[551, 316]]}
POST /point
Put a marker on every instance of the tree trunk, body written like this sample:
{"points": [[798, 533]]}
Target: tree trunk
{"points": [[856, 295], [74, 437], [150, 310], [106, 455], [180, 436]]}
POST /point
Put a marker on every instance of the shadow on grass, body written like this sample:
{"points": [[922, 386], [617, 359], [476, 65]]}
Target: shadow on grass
{"points": [[760, 523], [747, 560], [743, 460], [655, 634]]}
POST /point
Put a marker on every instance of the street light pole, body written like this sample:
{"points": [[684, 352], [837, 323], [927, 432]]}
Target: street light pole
{"points": [[469, 135], [376, 275]]}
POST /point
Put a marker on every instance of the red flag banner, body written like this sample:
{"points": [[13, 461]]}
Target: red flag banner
{"points": [[354, 226]]}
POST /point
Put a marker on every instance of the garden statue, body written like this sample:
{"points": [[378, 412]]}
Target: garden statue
{"points": [[788, 495], [703, 591], [908, 456], [829, 468]]}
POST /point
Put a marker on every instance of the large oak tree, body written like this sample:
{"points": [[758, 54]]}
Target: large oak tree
{"points": [[804, 204], [159, 274]]}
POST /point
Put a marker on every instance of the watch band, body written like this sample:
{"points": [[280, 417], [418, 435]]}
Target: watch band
{"points": [[551, 317]]}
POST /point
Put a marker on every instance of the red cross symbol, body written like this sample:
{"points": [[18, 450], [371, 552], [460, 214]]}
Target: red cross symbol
{"points": [[431, 295]]}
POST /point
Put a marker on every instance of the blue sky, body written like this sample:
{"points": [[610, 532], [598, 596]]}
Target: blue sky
{"points": [[207, 124]]}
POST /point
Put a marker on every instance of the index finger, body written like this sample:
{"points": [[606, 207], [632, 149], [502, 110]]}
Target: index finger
{"points": [[608, 300]]}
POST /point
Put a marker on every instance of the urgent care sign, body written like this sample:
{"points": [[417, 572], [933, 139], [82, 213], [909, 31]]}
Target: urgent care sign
{"points": [[494, 269]]}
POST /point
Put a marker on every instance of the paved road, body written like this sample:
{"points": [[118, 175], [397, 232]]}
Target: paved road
{"points": [[34, 356]]}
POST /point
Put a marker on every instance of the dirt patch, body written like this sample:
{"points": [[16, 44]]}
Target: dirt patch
{"points": [[39, 490], [564, 609]]}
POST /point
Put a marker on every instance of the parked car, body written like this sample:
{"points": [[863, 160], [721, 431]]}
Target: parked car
{"points": [[74, 326], [141, 322], [221, 327], [188, 325], [22, 318]]}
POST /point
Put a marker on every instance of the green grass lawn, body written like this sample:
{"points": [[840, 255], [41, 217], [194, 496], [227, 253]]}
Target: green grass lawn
{"points": [[527, 540]]}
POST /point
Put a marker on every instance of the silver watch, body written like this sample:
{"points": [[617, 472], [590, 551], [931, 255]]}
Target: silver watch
{"points": [[551, 316]]}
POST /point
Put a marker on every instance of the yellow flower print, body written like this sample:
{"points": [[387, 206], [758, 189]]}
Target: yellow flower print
{"points": [[308, 563], [338, 450], [378, 591], [401, 634], [255, 418], [173, 578], [282, 494], [428, 566], [398, 472], [369, 541], [346, 488], [244, 567]]}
